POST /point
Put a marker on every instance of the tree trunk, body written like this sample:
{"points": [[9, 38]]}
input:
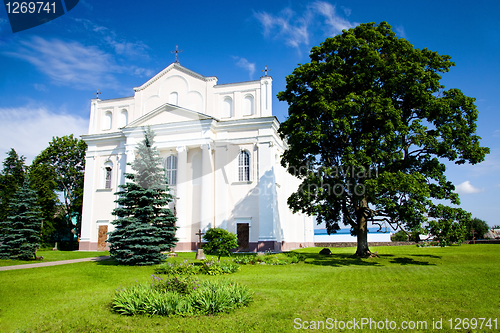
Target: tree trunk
{"points": [[362, 233]]}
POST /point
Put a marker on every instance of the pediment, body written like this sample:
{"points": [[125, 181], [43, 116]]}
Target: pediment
{"points": [[175, 66], [167, 114]]}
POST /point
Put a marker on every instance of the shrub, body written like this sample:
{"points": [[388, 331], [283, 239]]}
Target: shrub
{"points": [[220, 242], [178, 268], [400, 236], [212, 267]]}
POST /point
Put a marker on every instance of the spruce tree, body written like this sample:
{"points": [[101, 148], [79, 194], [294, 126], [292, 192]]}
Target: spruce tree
{"points": [[11, 179], [21, 230], [145, 227]]}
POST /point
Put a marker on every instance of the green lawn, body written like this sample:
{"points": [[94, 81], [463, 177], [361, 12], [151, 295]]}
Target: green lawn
{"points": [[404, 284], [50, 255]]}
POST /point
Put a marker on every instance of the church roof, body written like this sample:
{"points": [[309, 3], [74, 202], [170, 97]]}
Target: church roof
{"points": [[177, 66]]}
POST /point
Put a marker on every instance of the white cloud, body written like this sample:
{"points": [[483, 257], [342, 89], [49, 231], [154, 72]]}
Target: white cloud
{"points": [[332, 19], [29, 129], [400, 31], [69, 63], [466, 188], [245, 64], [285, 26], [74, 64], [40, 87], [295, 29]]}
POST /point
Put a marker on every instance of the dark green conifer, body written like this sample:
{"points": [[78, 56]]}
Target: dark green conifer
{"points": [[20, 237], [145, 226]]}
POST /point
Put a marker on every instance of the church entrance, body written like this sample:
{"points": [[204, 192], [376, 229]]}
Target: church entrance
{"points": [[243, 233], [101, 240]]}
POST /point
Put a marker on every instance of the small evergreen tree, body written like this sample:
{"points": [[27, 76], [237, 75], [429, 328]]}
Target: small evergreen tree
{"points": [[219, 242], [21, 231], [144, 228]]}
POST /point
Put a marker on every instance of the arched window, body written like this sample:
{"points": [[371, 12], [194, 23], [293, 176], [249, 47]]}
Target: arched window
{"points": [[108, 171], [244, 166], [248, 105], [171, 170], [123, 118], [107, 120], [227, 108], [173, 98]]}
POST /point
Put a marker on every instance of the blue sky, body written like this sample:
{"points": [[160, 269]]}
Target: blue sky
{"points": [[49, 73]]}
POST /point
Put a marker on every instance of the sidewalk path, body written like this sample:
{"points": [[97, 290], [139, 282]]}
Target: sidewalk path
{"points": [[52, 263]]}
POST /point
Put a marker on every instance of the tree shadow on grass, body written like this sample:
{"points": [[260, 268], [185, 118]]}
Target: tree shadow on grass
{"points": [[345, 259], [339, 259], [410, 261]]}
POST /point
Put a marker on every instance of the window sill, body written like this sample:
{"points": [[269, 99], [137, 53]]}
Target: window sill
{"points": [[104, 190], [242, 183]]}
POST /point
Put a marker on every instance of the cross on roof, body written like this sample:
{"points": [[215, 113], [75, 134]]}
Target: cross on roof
{"points": [[266, 70], [97, 93], [176, 53]]}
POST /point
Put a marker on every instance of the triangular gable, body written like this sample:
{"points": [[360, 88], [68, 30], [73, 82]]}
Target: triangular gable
{"points": [[168, 113], [177, 66]]}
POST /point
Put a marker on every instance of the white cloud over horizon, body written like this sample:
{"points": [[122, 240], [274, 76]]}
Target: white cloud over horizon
{"points": [[29, 129], [466, 188]]}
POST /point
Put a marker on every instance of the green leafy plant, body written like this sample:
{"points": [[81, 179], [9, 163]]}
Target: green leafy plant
{"points": [[212, 267], [219, 242], [180, 284], [187, 297]]}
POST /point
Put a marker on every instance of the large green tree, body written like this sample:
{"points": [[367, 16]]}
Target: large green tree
{"points": [[11, 179], [368, 130], [43, 182], [64, 163], [20, 232], [145, 227]]}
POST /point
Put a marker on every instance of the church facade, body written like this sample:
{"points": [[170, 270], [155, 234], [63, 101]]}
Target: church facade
{"points": [[221, 154]]}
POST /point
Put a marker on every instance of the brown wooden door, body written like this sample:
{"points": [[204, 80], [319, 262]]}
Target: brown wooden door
{"points": [[242, 230], [101, 240]]}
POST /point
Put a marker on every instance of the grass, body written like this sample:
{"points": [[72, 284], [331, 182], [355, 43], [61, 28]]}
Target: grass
{"points": [[404, 283], [49, 255]]}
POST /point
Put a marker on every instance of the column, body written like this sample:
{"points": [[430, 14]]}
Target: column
{"points": [[207, 188], [88, 191], [181, 193], [221, 187], [267, 194]]}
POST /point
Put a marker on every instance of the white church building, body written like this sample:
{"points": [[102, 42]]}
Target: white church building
{"points": [[221, 154]]}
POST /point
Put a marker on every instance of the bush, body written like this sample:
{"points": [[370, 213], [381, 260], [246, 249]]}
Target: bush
{"points": [[220, 242], [213, 267], [399, 236], [178, 268], [210, 297]]}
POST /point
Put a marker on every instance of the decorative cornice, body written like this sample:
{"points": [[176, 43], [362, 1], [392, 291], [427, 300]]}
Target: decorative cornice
{"points": [[178, 67]]}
